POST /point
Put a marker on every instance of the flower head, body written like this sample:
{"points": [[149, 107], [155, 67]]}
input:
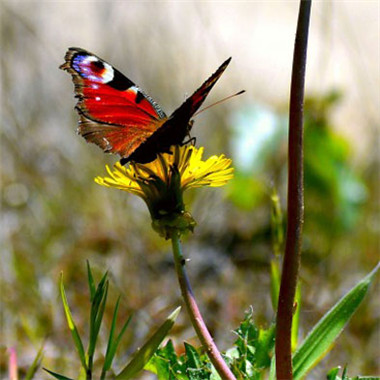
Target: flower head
{"points": [[161, 183]]}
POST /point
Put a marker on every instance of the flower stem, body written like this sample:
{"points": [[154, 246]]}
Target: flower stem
{"points": [[194, 313], [292, 256]]}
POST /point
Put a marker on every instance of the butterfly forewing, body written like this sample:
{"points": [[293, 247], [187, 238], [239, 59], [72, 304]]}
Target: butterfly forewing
{"points": [[192, 104], [114, 113]]}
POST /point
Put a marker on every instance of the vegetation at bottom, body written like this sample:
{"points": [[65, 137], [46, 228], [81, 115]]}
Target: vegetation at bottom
{"points": [[251, 357]]}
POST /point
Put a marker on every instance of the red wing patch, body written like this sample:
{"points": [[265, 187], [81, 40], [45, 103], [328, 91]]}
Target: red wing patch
{"points": [[114, 113]]}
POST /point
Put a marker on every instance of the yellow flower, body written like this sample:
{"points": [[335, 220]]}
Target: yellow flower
{"points": [[162, 182]]}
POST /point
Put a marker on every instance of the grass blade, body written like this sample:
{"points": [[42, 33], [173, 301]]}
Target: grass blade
{"points": [[97, 311], [329, 328], [91, 282], [57, 375], [275, 279], [272, 369], [296, 318], [148, 349], [113, 343], [109, 352], [72, 327]]}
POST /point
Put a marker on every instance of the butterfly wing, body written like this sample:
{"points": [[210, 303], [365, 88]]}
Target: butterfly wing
{"points": [[192, 104], [178, 125], [113, 112]]}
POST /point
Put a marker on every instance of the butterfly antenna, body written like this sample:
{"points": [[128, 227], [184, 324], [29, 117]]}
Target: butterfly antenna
{"points": [[219, 101]]}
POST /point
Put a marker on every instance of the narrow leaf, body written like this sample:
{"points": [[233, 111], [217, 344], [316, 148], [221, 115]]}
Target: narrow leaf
{"points": [[272, 370], [333, 374], [275, 279], [97, 311], [109, 354], [329, 327], [72, 327], [148, 349], [57, 375], [296, 318], [91, 282], [113, 343]]}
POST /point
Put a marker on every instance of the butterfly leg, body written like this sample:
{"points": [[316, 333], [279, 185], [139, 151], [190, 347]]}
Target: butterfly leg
{"points": [[192, 141]]}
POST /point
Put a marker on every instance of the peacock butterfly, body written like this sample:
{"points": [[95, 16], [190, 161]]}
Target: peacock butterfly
{"points": [[118, 116]]}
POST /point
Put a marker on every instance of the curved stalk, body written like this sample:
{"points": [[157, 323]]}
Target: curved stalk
{"points": [[195, 315], [292, 256]]}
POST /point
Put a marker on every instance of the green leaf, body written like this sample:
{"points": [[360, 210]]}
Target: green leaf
{"points": [[57, 375], [161, 362], [193, 358], [72, 327], [274, 282], [214, 374], [113, 343], [165, 363], [329, 327], [333, 374], [91, 283], [276, 223], [296, 318], [148, 349], [264, 346], [97, 312], [272, 370]]}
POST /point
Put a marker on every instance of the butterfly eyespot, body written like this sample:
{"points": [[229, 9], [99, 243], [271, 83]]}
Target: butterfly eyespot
{"points": [[97, 65], [93, 69]]}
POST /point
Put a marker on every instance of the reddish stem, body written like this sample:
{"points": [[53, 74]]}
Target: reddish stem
{"points": [[195, 314], [292, 256]]}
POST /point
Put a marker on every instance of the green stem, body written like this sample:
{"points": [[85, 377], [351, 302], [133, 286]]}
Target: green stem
{"points": [[89, 369], [292, 256], [194, 313]]}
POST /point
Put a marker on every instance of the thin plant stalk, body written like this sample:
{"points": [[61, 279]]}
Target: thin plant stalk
{"points": [[195, 314], [295, 206]]}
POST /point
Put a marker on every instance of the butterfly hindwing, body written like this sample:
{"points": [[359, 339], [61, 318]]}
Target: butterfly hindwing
{"points": [[114, 113]]}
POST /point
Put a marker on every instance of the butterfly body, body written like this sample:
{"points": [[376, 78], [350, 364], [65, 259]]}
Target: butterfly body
{"points": [[119, 117]]}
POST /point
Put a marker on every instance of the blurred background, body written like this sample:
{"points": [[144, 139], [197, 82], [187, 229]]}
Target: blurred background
{"points": [[54, 216]]}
